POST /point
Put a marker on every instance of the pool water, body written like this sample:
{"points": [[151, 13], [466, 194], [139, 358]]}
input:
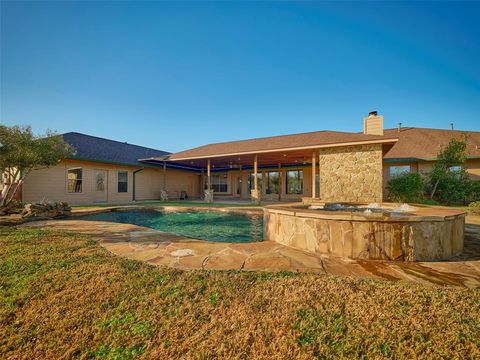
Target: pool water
{"points": [[202, 225]]}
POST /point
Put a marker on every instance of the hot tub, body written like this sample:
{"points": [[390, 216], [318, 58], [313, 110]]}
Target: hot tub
{"points": [[356, 231]]}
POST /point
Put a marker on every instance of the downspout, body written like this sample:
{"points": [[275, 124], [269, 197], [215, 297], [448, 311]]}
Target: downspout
{"points": [[134, 173]]}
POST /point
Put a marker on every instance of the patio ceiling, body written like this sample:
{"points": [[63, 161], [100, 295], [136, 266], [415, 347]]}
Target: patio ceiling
{"points": [[265, 159]]}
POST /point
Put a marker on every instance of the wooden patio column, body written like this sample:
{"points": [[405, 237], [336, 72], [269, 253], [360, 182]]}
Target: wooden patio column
{"points": [[240, 174], [280, 185], [165, 176], [255, 169], [209, 182], [209, 192], [314, 174], [255, 194]]}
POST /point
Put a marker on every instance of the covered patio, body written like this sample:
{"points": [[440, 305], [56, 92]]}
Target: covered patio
{"points": [[268, 176], [336, 171]]}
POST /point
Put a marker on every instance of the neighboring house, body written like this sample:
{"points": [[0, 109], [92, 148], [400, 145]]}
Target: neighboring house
{"points": [[330, 165]]}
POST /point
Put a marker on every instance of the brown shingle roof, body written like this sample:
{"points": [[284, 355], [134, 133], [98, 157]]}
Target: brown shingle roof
{"points": [[293, 141], [418, 143], [422, 143]]}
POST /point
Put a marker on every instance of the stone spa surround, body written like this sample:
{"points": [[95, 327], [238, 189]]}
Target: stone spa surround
{"points": [[424, 234]]}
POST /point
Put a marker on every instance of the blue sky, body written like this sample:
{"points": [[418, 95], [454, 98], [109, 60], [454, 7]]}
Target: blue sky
{"points": [[177, 75]]}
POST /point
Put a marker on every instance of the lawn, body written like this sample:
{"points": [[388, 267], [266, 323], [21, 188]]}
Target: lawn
{"points": [[62, 295]]}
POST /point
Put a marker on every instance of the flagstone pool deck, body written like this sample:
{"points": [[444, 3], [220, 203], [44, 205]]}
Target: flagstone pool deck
{"points": [[163, 249]]}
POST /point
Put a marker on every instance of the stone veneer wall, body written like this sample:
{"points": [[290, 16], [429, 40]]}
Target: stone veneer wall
{"points": [[351, 173], [367, 239]]}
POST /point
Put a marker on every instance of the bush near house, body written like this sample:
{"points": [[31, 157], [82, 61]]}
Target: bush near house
{"points": [[406, 188], [454, 188], [474, 191], [447, 183]]}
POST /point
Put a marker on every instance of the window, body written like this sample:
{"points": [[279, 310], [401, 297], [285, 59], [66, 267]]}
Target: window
{"points": [[395, 171], [220, 183], [455, 169], [100, 181], [251, 183], [74, 178], [294, 182], [271, 182], [122, 181]]}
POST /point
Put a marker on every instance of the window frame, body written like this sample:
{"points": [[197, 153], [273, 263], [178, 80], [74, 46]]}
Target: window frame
{"points": [[76, 180], [217, 184], [455, 169], [298, 178], [104, 174], [267, 182], [405, 172], [122, 182]]}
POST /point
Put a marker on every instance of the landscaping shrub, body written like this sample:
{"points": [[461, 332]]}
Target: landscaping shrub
{"points": [[454, 188], [406, 188], [474, 208], [474, 191]]}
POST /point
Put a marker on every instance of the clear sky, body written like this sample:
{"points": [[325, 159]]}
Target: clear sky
{"points": [[178, 75]]}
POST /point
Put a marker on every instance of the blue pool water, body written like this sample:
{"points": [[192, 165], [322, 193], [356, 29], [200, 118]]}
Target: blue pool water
{"points": [[203, 225]]}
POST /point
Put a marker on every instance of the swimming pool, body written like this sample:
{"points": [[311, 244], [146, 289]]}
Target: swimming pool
{"points": [[202, 225]]}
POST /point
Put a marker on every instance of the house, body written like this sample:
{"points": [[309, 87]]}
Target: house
{"points": [[329, 165], [107, 171]]}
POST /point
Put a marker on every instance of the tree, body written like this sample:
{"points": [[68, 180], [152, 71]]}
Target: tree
{"points": [[21, 152], [454, 154]]}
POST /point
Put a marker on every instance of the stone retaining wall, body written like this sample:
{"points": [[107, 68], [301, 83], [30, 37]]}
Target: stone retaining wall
{"points": [[360, 238]]}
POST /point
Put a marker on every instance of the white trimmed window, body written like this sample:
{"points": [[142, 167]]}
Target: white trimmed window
{"points": [[400, 170], [74, 180], [220, 183], [122, 181], [455, 169]]}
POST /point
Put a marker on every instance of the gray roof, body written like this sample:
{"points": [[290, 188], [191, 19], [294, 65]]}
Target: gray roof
{"points": [[104, 150]]}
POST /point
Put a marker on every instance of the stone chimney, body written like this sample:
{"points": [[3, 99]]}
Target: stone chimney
{"points": [[373, 124]]}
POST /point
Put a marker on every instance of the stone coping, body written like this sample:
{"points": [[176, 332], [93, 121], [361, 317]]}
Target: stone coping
{"points": [[16, 219], [232, 209], [419, 214]]}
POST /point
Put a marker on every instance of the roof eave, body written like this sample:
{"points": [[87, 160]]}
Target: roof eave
{"points": [[364, 142]]}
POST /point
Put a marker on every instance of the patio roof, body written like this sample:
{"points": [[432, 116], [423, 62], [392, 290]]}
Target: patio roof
{"points": [[295, 148]]}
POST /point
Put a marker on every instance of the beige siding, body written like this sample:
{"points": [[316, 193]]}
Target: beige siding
{"points": [[473, 169], [178, 181], [50, 184]]}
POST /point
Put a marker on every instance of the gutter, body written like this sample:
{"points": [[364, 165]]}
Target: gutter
{"points": [[252, 152], [391, 160], [134, 173]]}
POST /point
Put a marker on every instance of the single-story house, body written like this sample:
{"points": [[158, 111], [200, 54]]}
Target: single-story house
{"points": [[326, 165]]}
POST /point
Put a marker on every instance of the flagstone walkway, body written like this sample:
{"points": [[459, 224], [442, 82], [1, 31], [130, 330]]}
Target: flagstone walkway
{"points": [[162, 249]]}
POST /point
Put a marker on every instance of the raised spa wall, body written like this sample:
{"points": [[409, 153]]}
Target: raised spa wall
{"points": [[424, 236]]}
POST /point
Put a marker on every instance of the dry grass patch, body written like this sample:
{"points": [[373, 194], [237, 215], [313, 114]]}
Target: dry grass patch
{"points": [[62, 295]]}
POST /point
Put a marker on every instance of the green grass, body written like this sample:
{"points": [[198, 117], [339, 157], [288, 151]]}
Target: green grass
{"points": [[167, 203], [64, 296]]}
